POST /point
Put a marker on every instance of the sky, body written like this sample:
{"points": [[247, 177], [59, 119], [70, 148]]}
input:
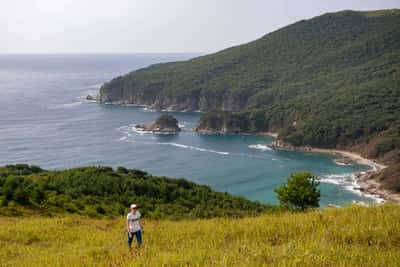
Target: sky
{"points": [[153, 26]]}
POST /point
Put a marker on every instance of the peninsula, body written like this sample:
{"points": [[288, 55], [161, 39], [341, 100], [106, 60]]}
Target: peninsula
{"points": [[330, 82]]}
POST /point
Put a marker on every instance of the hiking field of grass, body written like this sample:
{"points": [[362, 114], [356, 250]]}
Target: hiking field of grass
{"points": [[352, 236]]}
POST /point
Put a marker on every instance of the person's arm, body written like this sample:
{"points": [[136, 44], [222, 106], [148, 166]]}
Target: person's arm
{"points": [[127, 225], [140, 223], [141, 227]]}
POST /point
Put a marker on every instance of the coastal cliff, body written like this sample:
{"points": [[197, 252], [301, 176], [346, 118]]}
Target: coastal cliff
{"points": [[155, 98], [226, 123], [303, 58]]}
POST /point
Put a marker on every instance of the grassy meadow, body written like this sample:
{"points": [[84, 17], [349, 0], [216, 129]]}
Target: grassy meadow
{"points": [[352, 236]]}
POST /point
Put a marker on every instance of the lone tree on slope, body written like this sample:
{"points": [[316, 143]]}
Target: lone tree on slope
{"points": [[300, 192]]}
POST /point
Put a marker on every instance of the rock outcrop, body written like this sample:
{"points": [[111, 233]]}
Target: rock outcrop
{"points": [[164, 124]]}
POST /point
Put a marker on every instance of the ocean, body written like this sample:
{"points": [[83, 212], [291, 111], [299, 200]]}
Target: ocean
{"points": [[46, 120]]}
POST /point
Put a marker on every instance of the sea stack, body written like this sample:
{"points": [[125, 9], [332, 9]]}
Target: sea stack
{"points": [[166, 124]]}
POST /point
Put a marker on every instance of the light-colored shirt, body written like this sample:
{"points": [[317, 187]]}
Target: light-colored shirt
{"points": [[133, 221]]}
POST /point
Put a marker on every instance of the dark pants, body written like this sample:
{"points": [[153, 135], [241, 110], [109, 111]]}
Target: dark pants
{"points": [[138, 235]]}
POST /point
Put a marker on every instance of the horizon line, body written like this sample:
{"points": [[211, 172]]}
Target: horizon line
{"points": [[99, 53]]}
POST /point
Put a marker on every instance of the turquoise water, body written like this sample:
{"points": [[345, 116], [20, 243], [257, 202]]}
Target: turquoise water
{"points": [[45, 120]]}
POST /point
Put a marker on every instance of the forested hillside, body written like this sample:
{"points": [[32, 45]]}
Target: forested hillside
{"points": [[331, 81], [102, 191]]}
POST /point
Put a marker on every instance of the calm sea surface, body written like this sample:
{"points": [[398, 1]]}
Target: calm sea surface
{"points": [[45, 120]]}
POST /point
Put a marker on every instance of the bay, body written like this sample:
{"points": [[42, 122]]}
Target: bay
{"points": [[46, 120]]}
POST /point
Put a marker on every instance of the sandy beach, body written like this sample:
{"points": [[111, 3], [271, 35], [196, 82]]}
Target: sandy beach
{"points": [[355, 157], [270, 134], [364, 181]]}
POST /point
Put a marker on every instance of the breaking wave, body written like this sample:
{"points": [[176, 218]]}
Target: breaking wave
{"points": [[67, 105], [348, 182], [195, 148], [260, 147]]}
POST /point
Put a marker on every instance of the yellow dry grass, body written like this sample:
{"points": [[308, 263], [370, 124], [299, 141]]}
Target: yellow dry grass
{"points": [[353, 236]]}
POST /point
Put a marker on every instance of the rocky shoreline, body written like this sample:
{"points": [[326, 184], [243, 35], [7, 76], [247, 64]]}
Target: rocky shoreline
{"points": [[365, 183], [368, 185], [364, 180]]}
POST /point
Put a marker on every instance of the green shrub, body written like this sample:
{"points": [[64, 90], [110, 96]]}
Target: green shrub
{"points": [[300, 192], [3, 201], [122, 170]]}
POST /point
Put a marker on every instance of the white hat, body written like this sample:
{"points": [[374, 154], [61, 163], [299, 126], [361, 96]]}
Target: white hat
{"points": [[133, 206]]}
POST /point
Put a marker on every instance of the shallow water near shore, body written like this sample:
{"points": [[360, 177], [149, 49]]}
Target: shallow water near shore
{"points": [[45, 120]]}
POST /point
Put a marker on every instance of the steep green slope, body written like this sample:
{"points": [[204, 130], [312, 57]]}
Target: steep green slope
{"points": [[102, 191], [307, 57], [331, 81]]}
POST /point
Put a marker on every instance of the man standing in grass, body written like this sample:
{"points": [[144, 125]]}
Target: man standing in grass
{"points": [[133, 226]]}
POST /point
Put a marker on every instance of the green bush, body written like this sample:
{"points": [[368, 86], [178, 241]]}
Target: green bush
{"points": [[300, 192], [3, 201]]}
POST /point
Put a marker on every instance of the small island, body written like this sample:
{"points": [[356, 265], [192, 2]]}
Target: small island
{"points": [[165, 124]]}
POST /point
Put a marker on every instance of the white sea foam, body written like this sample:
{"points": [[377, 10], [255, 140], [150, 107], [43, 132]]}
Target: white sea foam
{"points": [[140, 130], [348, 182], [341, 163], [123, 138], [338, 162], [344, 179], [260, 147], [129, 129], [195, 148], [147, 109], [66, 105]]}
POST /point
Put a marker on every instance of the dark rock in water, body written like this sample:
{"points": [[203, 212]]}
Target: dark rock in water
{"points": [[89, 97], [164, 124]]}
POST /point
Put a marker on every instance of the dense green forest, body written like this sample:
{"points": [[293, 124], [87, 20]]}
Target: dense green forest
{"points": [[102, 191], [331, 81]]}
